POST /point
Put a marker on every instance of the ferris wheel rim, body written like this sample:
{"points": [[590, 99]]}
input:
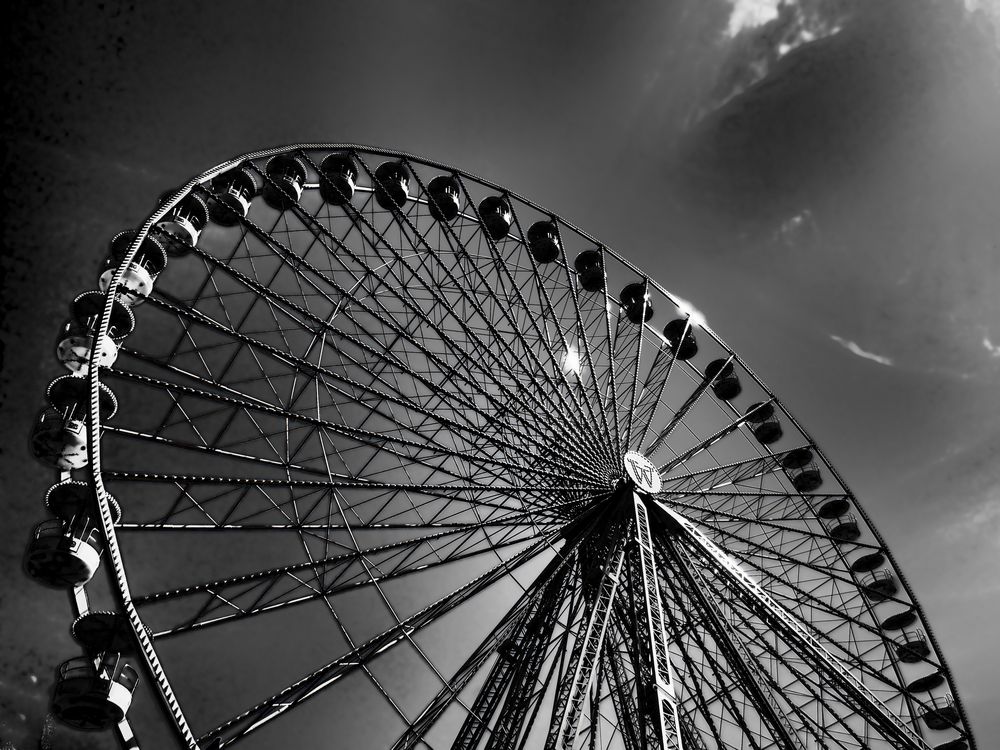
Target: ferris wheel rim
{"points": [[96, 470]]}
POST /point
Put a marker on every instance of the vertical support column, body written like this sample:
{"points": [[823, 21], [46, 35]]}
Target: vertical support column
{"points": [[666, 698], [586, 652]]}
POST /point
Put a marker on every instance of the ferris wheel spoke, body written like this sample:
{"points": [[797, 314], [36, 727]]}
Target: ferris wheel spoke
{"points": [[483, 348], [561, 398], [595, 377], [228, 402], [392, 553], [609, 396], [809, 554], [830, 692], [433, 388], [801, 641], [634, 386], [514, 291], [810, 562], [231, 456], [621, 691], [717, 683], [534, 602], [589, 360], [651, 393], [324, 578], [682, 412], [210, 280], [626, 345], [800, 681], [327, 376], [404, 449], [839, 606], [407, 401], [748, 508], [708, 442], [228, 504], [249, 721], [567, 360], [706, 480], [757, 680]]}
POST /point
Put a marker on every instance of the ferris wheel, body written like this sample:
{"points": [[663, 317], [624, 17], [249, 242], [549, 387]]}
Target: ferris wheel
{"points": [[348, 428]]}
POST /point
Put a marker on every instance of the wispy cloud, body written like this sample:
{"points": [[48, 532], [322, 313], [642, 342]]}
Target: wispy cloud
{"points": [[993, 349], [855, 349], [747, 14]]}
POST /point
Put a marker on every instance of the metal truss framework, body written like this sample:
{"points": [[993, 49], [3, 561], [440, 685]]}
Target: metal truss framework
{"points": [[358, 407]]}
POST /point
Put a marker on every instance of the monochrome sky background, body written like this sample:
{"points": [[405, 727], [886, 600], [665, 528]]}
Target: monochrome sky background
{"points": [[820, 179]]}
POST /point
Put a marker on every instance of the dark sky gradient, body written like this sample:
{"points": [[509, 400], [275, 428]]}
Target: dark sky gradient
{"points": [[825, 187]]}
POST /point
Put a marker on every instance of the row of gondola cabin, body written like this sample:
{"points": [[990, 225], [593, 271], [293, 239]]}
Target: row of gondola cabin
{"points": [[59, 438], [338, 178], [912, 647], [78, 337], [94, 697], [285, 179], [392, 185], [800, 466], [444, 198], [102, 632], [92, 692], [764, 422], [879, 586], [942, 713], [137, 279], [722, 375], [232, 193], [497, 216], [65, 550], [285, 174], [543, 242], [590, 270], [182, 226], [843, 529], [635, 302], [680, 337]]}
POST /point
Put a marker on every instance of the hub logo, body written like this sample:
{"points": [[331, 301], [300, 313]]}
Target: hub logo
{"points": [[642, 472]]}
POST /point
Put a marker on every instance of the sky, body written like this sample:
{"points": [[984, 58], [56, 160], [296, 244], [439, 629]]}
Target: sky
{"points": [[820, 179]]}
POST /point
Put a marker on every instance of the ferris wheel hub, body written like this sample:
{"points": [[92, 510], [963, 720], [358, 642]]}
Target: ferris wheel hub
{"points": [[642, 472]]}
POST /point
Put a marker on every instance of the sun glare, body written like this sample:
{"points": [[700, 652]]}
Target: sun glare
{"points": [[685, 308], [571, 364]]}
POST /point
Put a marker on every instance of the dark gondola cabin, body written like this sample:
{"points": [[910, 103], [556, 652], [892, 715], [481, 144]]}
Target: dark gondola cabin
{"points": [[232, 193], [444, 199], [635, 303], [285, 179], [543, 242], [338, 178], [497, 216]]}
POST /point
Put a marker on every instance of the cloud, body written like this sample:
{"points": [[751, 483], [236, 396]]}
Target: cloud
{"points": [[993, 349], [855, 349], [748, 14]]}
